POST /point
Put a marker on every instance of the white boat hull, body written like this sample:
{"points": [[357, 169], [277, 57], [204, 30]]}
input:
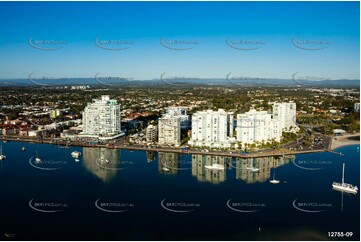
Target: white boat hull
{"points": [[214, 167], [347, 189]]}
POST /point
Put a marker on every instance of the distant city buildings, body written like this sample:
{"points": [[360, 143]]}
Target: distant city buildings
{"points": [[101, 118], [356, 107], [212, 129], [169, 130], [257, 127]]}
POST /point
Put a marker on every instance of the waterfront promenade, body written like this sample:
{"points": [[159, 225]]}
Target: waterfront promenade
{"points": [[280, 152]]}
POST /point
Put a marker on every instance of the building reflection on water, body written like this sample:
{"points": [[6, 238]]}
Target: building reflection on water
{"points": [[214, 176], [264, 164], [168, 163], [150, 156], [102, 162]]}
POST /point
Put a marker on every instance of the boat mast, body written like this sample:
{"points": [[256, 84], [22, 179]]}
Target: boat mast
{"points": [[343, 172]]}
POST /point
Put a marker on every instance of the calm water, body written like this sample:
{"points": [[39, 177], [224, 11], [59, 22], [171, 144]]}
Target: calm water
{"points": [[123, 195]]}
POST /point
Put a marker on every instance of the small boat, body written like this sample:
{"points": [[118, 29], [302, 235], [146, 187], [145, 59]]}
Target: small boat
{"points": [[253, 169], [77, 160], [165, 169], [215, 167], [274, 181], [2, 157], [75, 154], [23, 148], [37, 158], [345, 187]]}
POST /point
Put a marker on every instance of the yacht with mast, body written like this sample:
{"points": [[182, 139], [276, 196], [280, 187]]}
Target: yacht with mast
{"points": [[274, 181], [344, 187], [37, 158], [2, 157]]}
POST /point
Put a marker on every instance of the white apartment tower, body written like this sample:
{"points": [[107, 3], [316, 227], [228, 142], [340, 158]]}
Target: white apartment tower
{"points": [[212, 129], [180, 112], [151, 133], [169, 130], [102, 118], [286, 114], [257, 127]]}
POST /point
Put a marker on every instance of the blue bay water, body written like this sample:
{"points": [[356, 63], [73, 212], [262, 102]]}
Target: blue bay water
{"points": [[114, 194]]}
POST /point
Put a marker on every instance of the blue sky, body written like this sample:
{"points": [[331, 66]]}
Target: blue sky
{"points": [[209, 24]]}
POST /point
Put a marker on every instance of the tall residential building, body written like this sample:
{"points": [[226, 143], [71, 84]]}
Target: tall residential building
{"points": [[257, 126], [286, 114], [356, 107], [169, 130], [102, 118], [151, 133], [212, 129], [180, 112]]}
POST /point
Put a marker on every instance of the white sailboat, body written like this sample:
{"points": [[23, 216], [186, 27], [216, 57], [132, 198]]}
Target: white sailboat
{"points": [[75, 154], [345, 187], [274, 181], [215, 167], [253, 169], [2, 157], [37, 158]]}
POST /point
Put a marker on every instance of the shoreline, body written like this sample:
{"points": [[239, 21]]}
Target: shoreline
{"points": [[282, 152], [344, 141]]}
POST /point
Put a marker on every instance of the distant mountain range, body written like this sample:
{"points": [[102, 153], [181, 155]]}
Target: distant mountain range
{"points": [[181, 83]]}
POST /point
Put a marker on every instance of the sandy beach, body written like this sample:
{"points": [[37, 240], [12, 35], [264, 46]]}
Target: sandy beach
{"points": [[344, 141]]}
